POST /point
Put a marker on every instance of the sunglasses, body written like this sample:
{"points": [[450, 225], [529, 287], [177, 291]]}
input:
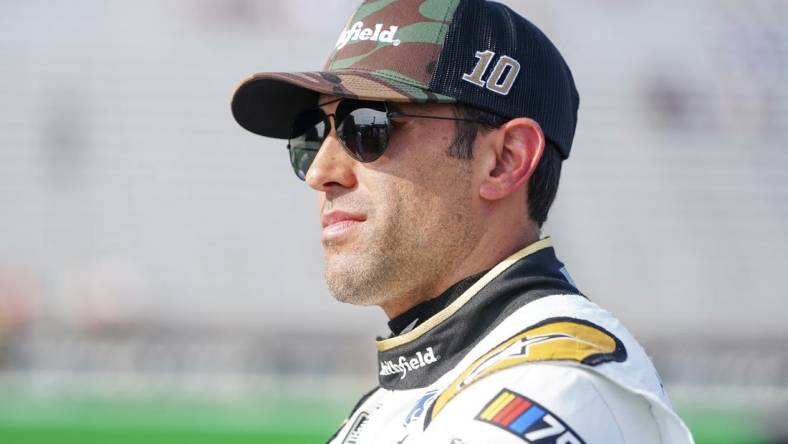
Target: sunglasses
{"points": [[363, 128]]}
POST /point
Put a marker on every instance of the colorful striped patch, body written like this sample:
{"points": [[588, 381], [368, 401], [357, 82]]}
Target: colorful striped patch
{"points": [[527, 419]]}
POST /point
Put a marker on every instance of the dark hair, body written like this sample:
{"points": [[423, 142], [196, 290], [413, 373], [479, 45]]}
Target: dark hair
{"points": [[543, 184]]}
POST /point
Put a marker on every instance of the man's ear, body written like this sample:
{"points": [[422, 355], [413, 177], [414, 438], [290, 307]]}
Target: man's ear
{"points": [[518, 151]]}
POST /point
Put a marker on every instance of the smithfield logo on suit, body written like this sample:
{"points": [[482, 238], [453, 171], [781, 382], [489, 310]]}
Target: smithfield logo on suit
{"points": [[406, 365]]}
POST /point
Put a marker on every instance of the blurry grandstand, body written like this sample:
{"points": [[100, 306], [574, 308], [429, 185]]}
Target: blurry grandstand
{"points": [[151, 249]]}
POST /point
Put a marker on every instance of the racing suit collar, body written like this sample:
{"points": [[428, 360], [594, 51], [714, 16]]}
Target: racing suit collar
{"points": [[418, 314], [420, 356]]}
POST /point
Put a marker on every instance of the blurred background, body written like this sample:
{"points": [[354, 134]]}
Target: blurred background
{"points": [[160, 268]]}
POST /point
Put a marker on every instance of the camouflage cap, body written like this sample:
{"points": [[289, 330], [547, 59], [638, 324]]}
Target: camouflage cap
{"points": [[473, 52]]}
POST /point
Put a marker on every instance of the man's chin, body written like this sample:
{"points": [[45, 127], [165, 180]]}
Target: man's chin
{"points": [[351, 279], [354, 299], [347, 254], [349, 292]]}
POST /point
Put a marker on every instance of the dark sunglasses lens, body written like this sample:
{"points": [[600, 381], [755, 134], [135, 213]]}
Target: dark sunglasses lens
{"points": [[301, 159], [309, 131], [365, 132]]}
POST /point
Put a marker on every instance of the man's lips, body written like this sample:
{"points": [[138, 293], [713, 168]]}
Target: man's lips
{"points": [[336, 223], [335, 217]]}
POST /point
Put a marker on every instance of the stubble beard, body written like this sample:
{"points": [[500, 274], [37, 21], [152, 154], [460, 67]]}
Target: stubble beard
{"points": [[366, 277], [401, 259]]}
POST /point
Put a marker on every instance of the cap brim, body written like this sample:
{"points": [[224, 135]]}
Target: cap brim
{"points": [[267, 103]]}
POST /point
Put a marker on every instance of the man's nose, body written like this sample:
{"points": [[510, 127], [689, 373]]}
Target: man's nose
{"points": [[332, 167]]}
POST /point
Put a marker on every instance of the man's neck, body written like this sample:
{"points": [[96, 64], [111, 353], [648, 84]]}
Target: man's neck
{"points": [[484, 257]]}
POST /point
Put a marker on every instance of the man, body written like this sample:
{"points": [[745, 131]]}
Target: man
{"points": [[434, 137]]}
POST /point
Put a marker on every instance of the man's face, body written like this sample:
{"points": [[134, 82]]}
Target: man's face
{"points": [[393, 228]]}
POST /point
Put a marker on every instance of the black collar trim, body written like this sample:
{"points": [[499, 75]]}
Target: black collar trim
{"points": [[417, 315]]}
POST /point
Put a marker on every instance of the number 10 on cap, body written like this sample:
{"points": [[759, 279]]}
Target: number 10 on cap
{"points": [[502, 77]]}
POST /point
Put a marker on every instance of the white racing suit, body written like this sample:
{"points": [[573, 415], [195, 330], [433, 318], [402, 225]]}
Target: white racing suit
{"points": [[519, 357]]}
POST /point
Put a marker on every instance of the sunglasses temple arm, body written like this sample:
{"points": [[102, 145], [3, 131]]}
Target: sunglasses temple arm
{"points": [[396, 114]]}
